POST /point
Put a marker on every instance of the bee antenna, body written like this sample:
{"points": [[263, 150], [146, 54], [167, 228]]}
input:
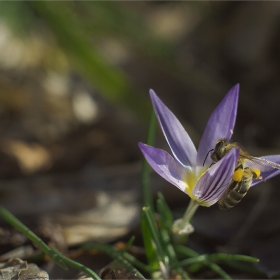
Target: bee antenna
{"points": [[207, 156]]}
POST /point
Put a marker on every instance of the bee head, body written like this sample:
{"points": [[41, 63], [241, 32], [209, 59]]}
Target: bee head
{"points": [[219, 150]]}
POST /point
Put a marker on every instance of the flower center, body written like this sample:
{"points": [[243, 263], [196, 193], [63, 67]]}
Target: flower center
{"points": [[193, 174]]}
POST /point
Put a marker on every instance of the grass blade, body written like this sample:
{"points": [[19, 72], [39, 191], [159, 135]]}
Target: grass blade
{"points": [[129, 243], [156, 244], [215, 257], [229, 257], [146, 170], [116, 254], [149, 244], [249, 269], [78, 266], [155, 234], [165, 224], [137, 263], [12, 220], [180, 249], [166, 217]]}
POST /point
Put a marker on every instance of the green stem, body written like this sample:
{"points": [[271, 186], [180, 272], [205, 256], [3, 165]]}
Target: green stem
{"points": [[192, 207], [182, 228]]}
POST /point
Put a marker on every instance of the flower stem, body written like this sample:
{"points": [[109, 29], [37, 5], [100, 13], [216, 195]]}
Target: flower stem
{"points": [[192, 207], [182, 228]]}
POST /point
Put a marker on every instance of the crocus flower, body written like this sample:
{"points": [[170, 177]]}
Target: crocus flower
{"points": [[187, 170]]}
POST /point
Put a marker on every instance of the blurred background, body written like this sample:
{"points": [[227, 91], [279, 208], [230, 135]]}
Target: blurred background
{"points": [[74, 102]]}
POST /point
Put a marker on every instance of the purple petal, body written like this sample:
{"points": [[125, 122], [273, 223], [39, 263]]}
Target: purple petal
{"points": [[165, 165], [177, 138], [269, 174], [220, 125], [215, 180]]}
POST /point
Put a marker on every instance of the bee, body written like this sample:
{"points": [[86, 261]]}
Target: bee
{"points": [[248, 168]]}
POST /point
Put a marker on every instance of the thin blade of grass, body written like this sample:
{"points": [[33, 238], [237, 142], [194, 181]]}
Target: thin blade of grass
{"points": [[213, 266], [171, 253], [166, 217], [12, 220], [185, 251], [216, 257], [114, 253], [165, 223], [156, 244], [229, 257], [247, 268], [110, 250], [129, 243], [148, 226], [78, 266], [146, 169], [137, 263], [148, 215], [209, 259], [149, 244], [180, 249]]}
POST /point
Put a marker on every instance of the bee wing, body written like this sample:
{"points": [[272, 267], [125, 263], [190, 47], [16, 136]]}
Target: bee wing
{"points": [[262, 164]]}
